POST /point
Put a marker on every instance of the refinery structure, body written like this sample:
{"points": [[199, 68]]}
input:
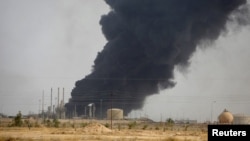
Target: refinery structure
{"points": [[226, 117], [94, 109], [88, 110], [56, 110]]}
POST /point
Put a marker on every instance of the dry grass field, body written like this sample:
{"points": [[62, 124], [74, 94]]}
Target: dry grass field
{"points": [[96, 130]]}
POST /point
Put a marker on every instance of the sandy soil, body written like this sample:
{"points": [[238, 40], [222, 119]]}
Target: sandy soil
{"points": [[96, 132]]}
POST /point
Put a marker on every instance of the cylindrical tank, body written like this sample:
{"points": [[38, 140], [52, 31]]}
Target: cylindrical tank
{"points": [[115, 113], [241, 119], [226, 117]]}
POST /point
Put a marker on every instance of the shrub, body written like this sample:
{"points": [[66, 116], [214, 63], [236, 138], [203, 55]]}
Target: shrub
{"points": [[106, 125], [27, 122], [18, 119], [144, 127], [119, 126], [169, 123], [131, 125], [37, 124], [84, 124], [48, 123], [186, 127], [56, 122], [157, 128]]}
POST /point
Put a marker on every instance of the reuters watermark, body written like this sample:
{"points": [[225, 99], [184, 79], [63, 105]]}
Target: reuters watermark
{"points": [[228, 131]]}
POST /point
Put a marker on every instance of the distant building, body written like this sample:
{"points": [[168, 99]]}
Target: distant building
{"points": [[185, 121], [241, 119]]}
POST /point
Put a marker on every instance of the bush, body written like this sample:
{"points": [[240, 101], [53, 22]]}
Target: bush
{"points": [[144, 127], [27, 122], [169, 123], [56, 123], [37, 124], [106, 125], [84, 124], [18, 120], [64, 125], [48, 123], [131, 125], [186, 127], [119, 126]]}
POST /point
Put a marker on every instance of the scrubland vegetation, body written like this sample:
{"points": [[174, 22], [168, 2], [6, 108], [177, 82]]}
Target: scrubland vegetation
{"points": [[36, 129]]}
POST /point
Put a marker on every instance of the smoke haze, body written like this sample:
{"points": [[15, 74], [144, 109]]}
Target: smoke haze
{"points": [[147, 39]]}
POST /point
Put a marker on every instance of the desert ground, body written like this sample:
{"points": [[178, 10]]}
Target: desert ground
{"points": [[100, 130]]}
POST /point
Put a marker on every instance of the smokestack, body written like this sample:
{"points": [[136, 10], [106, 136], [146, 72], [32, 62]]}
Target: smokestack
{"points": [[50, 102], [51, 98], [63, 96], [43, 105], [146, 40], [58, 100]]}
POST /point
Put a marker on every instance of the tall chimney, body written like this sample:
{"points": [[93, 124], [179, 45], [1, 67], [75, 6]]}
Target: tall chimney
{"points": [[50, 114], [63, 96], [58, 98], [51, 98], [43, 105]]}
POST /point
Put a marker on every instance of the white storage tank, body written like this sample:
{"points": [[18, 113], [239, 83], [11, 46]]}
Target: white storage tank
{"points": [[241, 119], [117, 114]]}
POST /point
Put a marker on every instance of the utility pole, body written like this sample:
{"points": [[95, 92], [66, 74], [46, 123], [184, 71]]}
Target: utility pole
{"points": [[212, 111], [63, 97], [50, 113], [55, 108], [161, 117], [58, 106], [58, 103], [53, 115], [101, 108], [85, 111], [39, 108], [111, 116], [75, 115], [63, 110], [93, 106], [43, 105]]}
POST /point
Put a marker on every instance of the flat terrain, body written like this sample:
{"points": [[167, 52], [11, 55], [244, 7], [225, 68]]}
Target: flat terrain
{"points": [[81, 130]]}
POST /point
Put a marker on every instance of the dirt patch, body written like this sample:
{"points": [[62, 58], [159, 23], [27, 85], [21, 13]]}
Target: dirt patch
{"points": [[96, 128]]}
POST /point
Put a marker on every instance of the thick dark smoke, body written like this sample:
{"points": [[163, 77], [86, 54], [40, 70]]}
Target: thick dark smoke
{"points": [[147, 39]]}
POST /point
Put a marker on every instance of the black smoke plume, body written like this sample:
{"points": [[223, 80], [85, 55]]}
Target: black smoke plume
{"points": [[147, 39]]}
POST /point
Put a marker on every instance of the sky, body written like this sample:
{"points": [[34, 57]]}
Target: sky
{"points": [[48, 44]]}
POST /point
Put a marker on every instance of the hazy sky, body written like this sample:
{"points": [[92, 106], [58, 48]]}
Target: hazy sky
{"points": [[48, 44]]}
